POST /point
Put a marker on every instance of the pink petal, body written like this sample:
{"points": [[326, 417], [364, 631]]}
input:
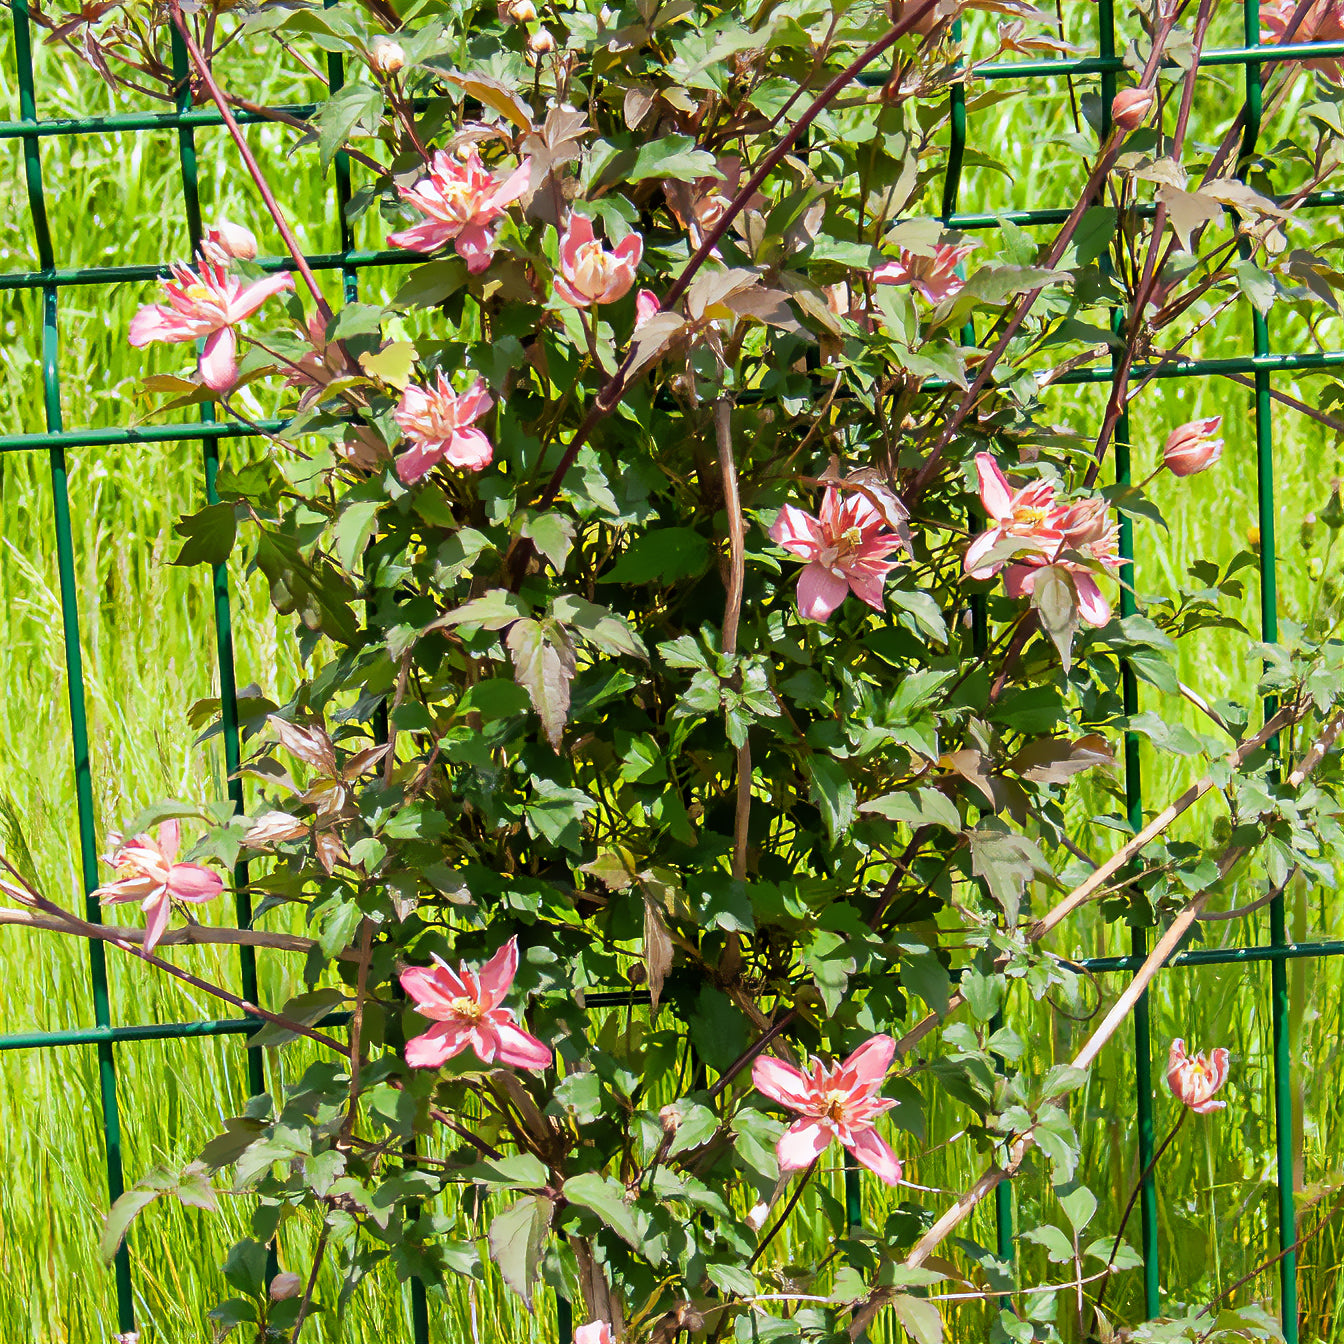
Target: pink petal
{"points": [[1092, 606], [427, 236], [469, 449], [157, 323], [1205, 1107], [512, 186], [995, 495], [157, 912], [819, 592], [867, 585], [418, 461], [219, 369], [976, 552], [1219, 1060], [873, 1151], [868, 1065], [579, 231], [192, 882], [570, 295], [496, 976], [522, 1050], [780, 1081], [170, 839], [802, 1143], [475, 401], [442, 1041], [476, 246], [247, 301], [125, 889], [630, 250]]}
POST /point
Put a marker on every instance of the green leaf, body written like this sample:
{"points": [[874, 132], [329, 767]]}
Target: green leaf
{"points": [[245, 1267], [1006, 862], [305, 1009], [191, 1186], [517, 1237], [339, 115], [664, 553], [1079, 1206], [543, 665], [920, 1318], [832, 792], [553, 535], [920, 806], [209, 535], [315, 591], [231, 1312], [1058, 1247], [491, 611], [598, 626], [429, 285], [923, 974], [1095, 231], [353, 530], [606, 1198], [1056, 602]]}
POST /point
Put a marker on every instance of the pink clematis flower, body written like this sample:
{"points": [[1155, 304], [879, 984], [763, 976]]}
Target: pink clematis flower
{"points": [[438, 422], [148, 872], [464, 1007], [209, 303], [589, 273], [1195, 1080], [1028, 517], [844, 548], [1323, 22], [595, 1332], [935, 277], [462, 199], [841, 1102]]}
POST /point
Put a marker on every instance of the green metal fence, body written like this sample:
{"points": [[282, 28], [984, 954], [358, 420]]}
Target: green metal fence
{"points": [[1260, 363]]}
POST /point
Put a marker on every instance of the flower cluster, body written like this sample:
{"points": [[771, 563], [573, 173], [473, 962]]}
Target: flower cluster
{"points": [[1031, 530]]}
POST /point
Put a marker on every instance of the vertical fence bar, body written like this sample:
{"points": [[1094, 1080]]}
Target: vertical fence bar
{"points": [[74, 667], [219, 578], [1129, 692], [956, 156], [1269, 627]]}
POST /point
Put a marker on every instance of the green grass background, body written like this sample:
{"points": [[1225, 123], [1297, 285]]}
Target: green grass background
{"points": [[148, 647]]}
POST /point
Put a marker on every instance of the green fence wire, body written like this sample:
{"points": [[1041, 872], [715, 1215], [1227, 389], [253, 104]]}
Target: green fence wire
{"points": [[49, 279]]}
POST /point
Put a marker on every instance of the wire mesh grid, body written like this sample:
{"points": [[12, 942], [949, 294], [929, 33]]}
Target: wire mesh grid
{"points": [[50, 279]]}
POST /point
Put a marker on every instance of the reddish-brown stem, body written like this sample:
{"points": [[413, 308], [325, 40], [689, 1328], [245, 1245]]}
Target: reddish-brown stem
{"points": [[249, 159]]}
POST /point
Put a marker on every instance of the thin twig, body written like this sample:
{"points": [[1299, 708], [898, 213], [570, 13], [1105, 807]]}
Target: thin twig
{"points": [[312, 1283]]}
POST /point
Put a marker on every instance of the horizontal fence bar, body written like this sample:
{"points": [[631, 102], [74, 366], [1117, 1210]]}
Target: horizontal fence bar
{"points": [[147, 121], [1217, 956], [111, 275], [153, 1031], [233, 429], [1052, 69]]}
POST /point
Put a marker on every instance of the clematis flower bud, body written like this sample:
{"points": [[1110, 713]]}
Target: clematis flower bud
{"points": [[386, 56], [1130, 108], [1333, 513], [541, 42], [285, 1286], [595, 1332], [1192, 448], [522, 11], [225, 242]]}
